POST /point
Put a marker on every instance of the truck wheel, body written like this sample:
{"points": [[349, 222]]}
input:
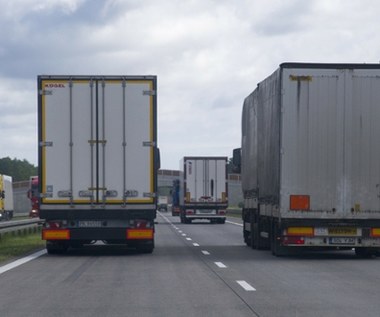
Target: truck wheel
{"points": [[365, 252], [247, 238], [222, 221], [145, 247], [279, 250]]}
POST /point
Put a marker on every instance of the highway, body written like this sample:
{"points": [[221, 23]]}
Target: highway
{"points": [[197, 269]]}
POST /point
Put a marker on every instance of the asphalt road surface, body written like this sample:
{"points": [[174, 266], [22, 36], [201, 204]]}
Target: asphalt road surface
{"points": [[197, 269]]}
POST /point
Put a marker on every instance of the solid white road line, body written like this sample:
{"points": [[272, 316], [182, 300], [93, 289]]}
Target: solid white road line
{"points": [[220, 265], [246, 286], [19, 262], [235, 223], [205, 252], [195, 244]]}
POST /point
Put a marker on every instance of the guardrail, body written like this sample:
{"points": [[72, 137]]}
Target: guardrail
{"points": [[234, 211], [19, 227]]}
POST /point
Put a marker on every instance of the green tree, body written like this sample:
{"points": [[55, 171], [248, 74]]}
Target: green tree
{"points": [[19, 170]]}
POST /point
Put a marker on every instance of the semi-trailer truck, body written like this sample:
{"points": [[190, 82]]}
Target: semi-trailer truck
{"points": [[98, 160], [310, 159], [6, 197], [203, 189]]}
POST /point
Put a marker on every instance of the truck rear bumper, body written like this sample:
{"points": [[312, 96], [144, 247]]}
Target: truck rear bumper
{"points": [[90, 234]]}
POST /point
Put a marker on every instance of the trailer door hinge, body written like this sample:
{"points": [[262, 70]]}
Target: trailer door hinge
{"points": [[46, 195], [149, 92], [149, 143], [46, 143], [149, 195], [45, 92]]}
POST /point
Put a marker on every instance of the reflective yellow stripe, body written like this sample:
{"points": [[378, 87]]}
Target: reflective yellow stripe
{"points": [[306, 231]]}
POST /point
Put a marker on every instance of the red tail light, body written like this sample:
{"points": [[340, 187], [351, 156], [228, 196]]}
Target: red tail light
{"points": [[141, 223], [293, 240], [189, 212]]}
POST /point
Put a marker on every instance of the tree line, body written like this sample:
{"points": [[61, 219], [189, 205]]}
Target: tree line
{"points": [[19, 170]]}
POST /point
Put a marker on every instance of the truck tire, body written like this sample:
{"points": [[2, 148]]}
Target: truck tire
{"points": [[145, 247], [279, 250], [365, 252]]}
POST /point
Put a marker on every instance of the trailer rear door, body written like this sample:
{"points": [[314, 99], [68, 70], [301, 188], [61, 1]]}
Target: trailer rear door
{"points": [[97, 139]]}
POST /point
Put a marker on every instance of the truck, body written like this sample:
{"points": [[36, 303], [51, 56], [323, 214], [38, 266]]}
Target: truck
{"points": [[310, 159], [98, 160], [162, 203], [6, 197], [33, 195], [203, 189]]}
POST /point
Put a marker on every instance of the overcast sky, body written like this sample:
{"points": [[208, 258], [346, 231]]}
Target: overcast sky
{"points": [[208, 56]]}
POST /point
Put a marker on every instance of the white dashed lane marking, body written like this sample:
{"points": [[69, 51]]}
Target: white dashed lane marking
{"points": [[220, 265], [246, 286]]}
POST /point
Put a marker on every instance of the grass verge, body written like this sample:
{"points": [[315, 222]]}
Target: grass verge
{"points": [[15, 246]]}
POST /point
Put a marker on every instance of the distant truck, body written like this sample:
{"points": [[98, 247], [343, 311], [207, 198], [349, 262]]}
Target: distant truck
{"points": [[33, 195], [98, 160], [6, 197], [310, 159], [203, 189], [162, 203]]}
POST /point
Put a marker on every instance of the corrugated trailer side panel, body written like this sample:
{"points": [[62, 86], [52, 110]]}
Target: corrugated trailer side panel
{"points": [[268, 127], [249, 154]]}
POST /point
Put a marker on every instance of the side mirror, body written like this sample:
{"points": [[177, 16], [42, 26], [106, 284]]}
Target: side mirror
{"points": [[236, 160], [157, 158]]}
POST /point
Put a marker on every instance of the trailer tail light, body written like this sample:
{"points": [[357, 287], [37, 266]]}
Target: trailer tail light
{"points": [[58, 224], [222, 212], [55, 234], [293, 240], [299, 202], [375, 232], [300, 231], [140, 234], [141, 224], [189, 212]]}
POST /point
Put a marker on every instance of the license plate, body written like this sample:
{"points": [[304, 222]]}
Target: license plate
{"points": [[206, 212], [342, 240], [89, 224], [343, 231]]}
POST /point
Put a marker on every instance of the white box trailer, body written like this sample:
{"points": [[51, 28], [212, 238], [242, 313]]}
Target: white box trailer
{"points": [[6, 197], [98, 160], [203, 189], [310, 158]]}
